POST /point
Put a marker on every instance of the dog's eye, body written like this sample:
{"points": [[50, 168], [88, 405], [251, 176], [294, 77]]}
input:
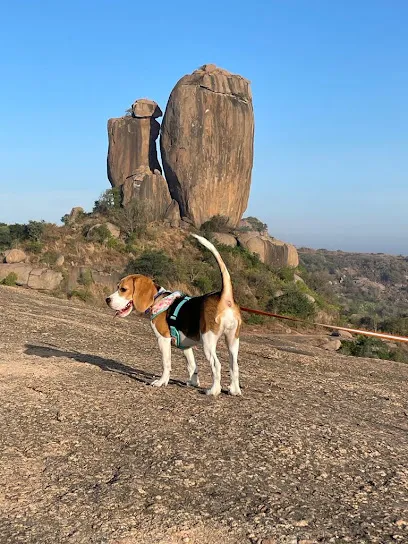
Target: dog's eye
{"points": [[122, 289]]}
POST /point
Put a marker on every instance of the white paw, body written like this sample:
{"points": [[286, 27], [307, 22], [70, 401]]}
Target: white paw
{"points": [[214, 391], [159, 383], [234, 390]]}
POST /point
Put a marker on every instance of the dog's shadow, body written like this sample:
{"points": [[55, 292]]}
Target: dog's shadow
{"points": [[109, 365]]}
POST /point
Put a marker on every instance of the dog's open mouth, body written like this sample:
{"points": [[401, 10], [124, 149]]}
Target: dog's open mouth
{"points": [[125, 311]]}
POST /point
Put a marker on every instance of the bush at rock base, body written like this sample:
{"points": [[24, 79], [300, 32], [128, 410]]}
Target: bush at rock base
{"points": [[10, 279]]}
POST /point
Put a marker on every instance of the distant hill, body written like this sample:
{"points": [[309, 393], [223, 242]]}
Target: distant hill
{"points": [[372, 288]]}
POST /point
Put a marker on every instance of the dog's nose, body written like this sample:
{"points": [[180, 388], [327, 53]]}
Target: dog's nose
{"points": [[108, 300]]}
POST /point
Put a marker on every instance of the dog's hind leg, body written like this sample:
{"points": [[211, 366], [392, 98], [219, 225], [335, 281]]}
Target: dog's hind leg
{"points": [[210, 340], [165, 348], [233, 348], [191, 368]]}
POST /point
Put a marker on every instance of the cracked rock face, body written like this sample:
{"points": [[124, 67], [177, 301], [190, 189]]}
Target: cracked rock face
{"points": [[207, 144]]}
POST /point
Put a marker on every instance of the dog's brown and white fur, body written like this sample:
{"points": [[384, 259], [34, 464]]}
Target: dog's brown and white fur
{"points": [[205, 320]]}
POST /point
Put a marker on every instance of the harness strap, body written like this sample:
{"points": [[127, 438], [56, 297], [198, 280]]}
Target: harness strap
{"points": [[178, 307]]}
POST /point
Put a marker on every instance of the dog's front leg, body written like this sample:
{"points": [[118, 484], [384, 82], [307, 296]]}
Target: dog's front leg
{"points": [[165, 348]]}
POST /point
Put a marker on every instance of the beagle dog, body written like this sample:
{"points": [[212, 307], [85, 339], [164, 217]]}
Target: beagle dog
{"points": [[203, 319]]}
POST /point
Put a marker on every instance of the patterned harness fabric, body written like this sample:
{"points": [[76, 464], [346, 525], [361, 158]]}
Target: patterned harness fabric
{"points": [[164, 304], [178, 338]]}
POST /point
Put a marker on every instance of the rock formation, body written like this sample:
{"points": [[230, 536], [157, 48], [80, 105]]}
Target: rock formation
{"points": [[225, 239], [271, 251], [13, 256], [207, 144], [31, 276], [132, 158]]}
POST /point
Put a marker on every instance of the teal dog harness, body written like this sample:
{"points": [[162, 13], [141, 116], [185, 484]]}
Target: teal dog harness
{"points": [[178, 338]]}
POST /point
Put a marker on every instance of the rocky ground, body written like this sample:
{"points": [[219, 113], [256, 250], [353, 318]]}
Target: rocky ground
{"points": [[316, 450]]}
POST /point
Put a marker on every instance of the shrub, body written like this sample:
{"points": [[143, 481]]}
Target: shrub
{"points": [[99, 234], [10, 279], [287, 273], [114, 243], [365, 346], [292, 303], [34, 246], [35, 230], [217, 223], [108, 201], [155, 264], [132, 219], [255, 224], [85, 277], [253, 319], [18, 232], [83, 294], [5, 237], [50, 257], [203, 283]]}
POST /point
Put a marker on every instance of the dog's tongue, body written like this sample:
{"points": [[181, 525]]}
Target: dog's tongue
{"points": [[120, 313]]}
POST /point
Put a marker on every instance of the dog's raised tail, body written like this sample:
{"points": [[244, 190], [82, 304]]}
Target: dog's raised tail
{"points": [[226, 291]]}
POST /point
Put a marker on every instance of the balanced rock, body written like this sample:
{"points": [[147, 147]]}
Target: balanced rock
{"points": [[273, 252], [146, 108], [132, 145], [132, 158], [206, 144]]}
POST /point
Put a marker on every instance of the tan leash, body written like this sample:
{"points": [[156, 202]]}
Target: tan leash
{"points": [[331, 327]]}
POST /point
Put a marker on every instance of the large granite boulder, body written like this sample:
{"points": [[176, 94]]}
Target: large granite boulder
{"points": [[132, 158], [44, 279], [30, 276], [21, 270], [271, 251], [207, 144]]}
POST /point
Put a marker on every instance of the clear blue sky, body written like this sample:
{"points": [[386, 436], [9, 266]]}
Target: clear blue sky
{"points": [[330, 87]]}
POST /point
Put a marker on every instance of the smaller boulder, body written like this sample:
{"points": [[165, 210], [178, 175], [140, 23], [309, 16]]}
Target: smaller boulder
{"points": [[172, 215], [44, 279], [13, 256], [74, 214], [225, 239], [113, 229], [309, 298], [331, 344], [60, 260], [146, 108]]}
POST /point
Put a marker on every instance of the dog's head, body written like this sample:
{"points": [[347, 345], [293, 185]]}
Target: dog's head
{"points": [[135, 291]]}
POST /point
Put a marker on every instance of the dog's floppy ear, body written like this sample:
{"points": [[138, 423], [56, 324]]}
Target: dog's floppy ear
{"points": [[143, 293]]}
